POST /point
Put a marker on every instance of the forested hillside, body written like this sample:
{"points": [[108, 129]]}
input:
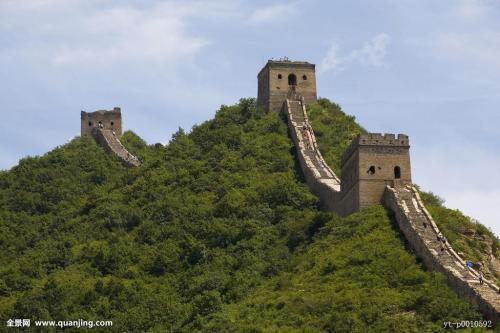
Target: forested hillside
{"points": [[215, 232]]}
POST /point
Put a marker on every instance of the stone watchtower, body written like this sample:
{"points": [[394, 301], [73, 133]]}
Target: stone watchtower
{"points": [[278, 77], [371, 162], [111, 120]]}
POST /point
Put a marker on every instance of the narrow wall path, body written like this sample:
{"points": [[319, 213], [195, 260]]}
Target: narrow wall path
{"points": [[414, 220], [322, 181], [111, 143], [427, 242]]}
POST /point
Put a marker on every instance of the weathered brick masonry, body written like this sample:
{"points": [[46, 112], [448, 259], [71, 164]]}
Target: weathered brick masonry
{"points": [[375, 169], [106, 128], [421, 232], [102, 118], [278, 77]]}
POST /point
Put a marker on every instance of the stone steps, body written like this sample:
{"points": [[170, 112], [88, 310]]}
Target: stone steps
{"points": [[409, 203], [112, 144], [310, 150], [319, 176], [442, 256], [438, 255]]}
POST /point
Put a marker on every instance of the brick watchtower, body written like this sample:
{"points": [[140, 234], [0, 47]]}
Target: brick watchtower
{"points": [[111, 120], [371, 162], [278, 77]]}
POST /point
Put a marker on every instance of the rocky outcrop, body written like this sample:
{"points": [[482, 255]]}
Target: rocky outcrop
{"points": [[425, 239], [110, 142]]}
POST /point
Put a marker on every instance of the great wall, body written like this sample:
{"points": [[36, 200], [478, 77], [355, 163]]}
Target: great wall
{"points": [[106, 128], [321, 179], [436, 253], [394, 190], [415, 222], [112, 144], [375, 170]]}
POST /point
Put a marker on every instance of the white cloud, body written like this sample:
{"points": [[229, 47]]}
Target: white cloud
{"points": [[478, 50], [102, 33], [372, 53], [273, 13], [28, 4], [463, 37], [332, 59], [468, 9], [130, 35]]}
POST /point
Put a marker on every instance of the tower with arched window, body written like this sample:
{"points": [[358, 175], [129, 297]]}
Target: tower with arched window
{"points": [[369, 164], [111, 120], [279, 77]]}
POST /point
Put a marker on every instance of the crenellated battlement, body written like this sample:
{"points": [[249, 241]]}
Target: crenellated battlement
{"points": [[383, 139], [106, 128], [104, 119], [286, 63], [376, 169], [375, 139], [278, 78]]}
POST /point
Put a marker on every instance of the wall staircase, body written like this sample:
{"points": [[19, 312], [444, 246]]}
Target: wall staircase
{"points": [[425, 239], [414, 220], [111, 143], [322, 181]]}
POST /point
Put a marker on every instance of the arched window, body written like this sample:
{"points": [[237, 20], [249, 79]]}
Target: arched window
{"points": [[371, 170], [304, 77], [112, 123], [397, 172], [279, 76], [292, 80], [90, 123]]}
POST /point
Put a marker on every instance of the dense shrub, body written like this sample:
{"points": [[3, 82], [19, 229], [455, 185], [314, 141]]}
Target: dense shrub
{"points": [[216, 231]]}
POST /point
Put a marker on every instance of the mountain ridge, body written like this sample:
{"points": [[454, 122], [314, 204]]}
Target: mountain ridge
{"points": [[206, 220]]}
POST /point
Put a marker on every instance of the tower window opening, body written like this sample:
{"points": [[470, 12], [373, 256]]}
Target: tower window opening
{"points": [[112, 123], [304, 77], [371, 170], [90, 123], [292, 80], [280, 76], [397, 172]]}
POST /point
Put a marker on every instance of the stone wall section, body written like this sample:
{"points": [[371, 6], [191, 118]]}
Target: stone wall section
{"points": [[369, 164], [109, 140], [400, 196], [111, 120], [322, 181], [422, 233], [274, 86]]}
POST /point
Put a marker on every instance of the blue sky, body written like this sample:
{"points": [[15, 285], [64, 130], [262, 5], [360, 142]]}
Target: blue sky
{"points": [[425, 68]]}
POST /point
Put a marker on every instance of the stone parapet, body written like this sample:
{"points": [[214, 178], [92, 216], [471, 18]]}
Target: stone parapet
{"points": [[286, 64], [110, 120], [425, 239], [322, 181], [375, 139], [111, 144]]}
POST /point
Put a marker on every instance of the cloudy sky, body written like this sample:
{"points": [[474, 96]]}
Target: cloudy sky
{"points": [[426, 68]]}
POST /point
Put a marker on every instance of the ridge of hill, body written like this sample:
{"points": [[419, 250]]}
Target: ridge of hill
{"points": [[214, 232]]}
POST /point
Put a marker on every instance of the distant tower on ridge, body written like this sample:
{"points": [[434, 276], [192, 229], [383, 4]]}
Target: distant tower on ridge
{"points": [[279, 77], [111, 120], [369, 164]]}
